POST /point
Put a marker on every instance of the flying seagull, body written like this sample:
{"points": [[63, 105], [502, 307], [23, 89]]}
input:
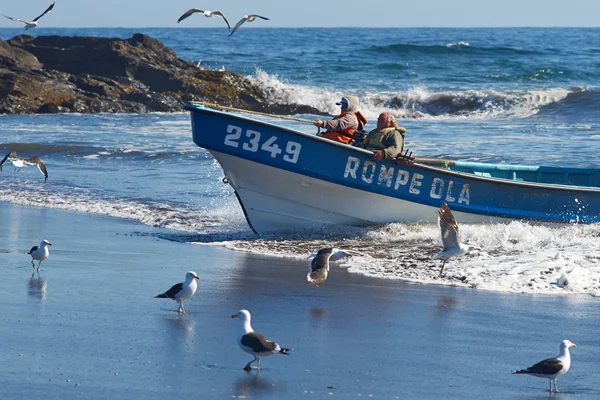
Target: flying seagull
{"points": [[32, 24], [450, 240], [552, 368], [206, 13], [246, 18], [19, 163], [319, 265], [255, 343], [40, 253], [182, 290]]}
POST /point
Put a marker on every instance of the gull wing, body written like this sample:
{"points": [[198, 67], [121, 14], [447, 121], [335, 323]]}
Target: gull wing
{"points": [[240, 22], [224, 19], [172, 292], [257, 16], [10, 156], [448, 227], [258, 343], [40, 164], [44, 13], [549, 366], [17, 19], [188, 13]]}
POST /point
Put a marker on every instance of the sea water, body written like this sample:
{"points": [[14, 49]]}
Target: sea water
{"points": [[517, 96]]}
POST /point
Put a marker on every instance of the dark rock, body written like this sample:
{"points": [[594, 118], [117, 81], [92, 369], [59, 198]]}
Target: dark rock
{"points": [[51, 74]]}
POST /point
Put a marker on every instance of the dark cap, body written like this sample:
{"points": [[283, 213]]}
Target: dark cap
{"points": [[342, 102]]}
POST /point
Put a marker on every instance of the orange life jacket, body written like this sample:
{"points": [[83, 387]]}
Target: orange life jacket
{"points": [[345, 135]]}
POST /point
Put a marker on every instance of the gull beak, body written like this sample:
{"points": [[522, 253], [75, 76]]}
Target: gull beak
{"points": [[573, 345], [197, 277], [233, 315], [49, 244]]}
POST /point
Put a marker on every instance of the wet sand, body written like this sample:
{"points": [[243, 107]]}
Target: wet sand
{"points": [[87, 326]]}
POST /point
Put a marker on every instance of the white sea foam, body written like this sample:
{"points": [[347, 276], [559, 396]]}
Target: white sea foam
{"points": [[416, 102]]}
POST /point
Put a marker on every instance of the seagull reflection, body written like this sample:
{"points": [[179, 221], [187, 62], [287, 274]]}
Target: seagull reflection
{"points": [[37, 286], [317, 312], [446, 302], [183, 324], [252, 385]]}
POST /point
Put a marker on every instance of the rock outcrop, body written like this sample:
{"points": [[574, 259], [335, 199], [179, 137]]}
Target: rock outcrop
{"points": [[54, 74]]}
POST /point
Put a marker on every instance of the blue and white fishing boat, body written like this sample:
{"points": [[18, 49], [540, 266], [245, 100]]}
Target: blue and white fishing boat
{"points": [[286, 180]]}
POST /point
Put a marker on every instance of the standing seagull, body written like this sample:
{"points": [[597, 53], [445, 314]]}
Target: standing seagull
{"points": [[19, 163], [452, 245], [552, 368], [32, 24], [40, 253], [246, 18], [255, 343], [206, 13], [319, 266], [182, 290]]}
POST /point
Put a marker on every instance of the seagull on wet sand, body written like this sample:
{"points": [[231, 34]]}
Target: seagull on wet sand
{"points": [[181, 291], [255, 343], [19, 163], [552, 368], [246, 18], [40, 253], [450, 240], [319, 265], [32, 24], [206, 13]]}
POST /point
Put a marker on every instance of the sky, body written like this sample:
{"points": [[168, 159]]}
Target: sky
{"points": [[309, 13]]}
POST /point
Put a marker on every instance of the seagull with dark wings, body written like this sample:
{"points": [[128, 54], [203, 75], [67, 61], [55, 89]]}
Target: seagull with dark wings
{"points": [[452, 245], [19, 163], [32, 24], [319, 265], [206, 13], [246, 18]]}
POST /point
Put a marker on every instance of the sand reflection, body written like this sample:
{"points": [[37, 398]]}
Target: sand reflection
{"points": [[252, 384], [37, 286]]}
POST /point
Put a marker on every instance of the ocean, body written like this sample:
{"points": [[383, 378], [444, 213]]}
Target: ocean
{"points": [[518, 96]]}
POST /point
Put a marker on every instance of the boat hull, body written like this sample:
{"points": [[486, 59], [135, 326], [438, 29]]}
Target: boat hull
{"points": [[288, 180]]}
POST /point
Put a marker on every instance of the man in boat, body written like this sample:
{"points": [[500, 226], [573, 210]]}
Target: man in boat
{"points": [[387, 141], [342, 128]]}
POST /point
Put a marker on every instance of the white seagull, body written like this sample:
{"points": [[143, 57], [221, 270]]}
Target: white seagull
{"points": [[182, 290], [319, 265], [450, 240], [19, 163], [552, 368], [255, 343], [206, 13], [246, 18], [40, 253], [32, 24]]}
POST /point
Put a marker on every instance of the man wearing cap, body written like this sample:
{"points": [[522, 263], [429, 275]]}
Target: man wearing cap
{"points": [[342, 127], [387, 141]]}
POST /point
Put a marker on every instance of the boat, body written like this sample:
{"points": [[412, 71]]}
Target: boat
{"points": [[287, 180]]}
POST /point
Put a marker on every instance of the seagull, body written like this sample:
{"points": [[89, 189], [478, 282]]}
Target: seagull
{"points": [[255, 343], [452, 245], [246, 18], [206, 13], [552, 368], [40, 253], [182, 290], [19, 163], [32, 24], [319, 266]]}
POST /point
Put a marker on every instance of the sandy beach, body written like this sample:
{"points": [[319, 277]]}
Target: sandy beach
{"points": [[87, 326]]}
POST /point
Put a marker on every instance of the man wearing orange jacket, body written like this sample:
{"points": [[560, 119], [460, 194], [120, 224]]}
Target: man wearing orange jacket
{"points": [[342, 127]]}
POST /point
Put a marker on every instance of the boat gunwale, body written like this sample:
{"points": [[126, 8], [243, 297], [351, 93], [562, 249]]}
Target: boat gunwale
{"points": [[464, 175]]}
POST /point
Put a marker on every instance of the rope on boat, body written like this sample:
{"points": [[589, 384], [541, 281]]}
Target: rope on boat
{"points": [[220, 107]]}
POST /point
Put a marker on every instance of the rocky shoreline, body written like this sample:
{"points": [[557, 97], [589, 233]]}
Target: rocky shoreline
{"points": [[63, 74]]}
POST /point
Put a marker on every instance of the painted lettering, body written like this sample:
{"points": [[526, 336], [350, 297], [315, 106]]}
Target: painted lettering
{"points": [[415, 183], [465, 196], [368, 171], [385, 174], [351, 166], [401, 179], [449, 197], [436, 188]]}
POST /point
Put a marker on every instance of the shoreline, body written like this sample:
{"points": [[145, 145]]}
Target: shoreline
{"points": [[88, 325]]}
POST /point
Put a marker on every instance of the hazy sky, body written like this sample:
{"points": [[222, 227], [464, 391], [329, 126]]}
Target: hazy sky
{"points": [[309, 13]]}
